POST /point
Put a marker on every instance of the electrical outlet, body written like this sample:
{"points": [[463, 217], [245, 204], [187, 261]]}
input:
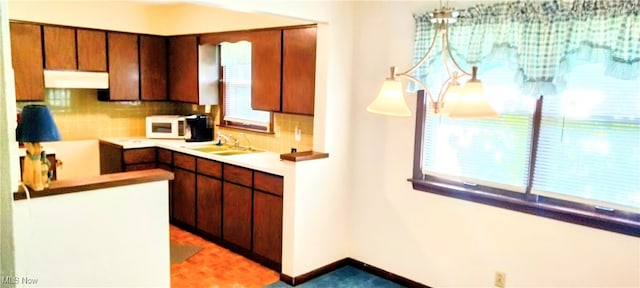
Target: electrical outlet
{"points": [[500, 279]]}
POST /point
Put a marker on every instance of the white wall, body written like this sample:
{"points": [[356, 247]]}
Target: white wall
{"points": [[445, 242], [9, 167], [315, 218], [80, 159], [113, 237]]}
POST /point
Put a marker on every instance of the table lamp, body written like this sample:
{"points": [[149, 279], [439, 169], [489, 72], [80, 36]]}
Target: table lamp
{"points": [[36, 125]]}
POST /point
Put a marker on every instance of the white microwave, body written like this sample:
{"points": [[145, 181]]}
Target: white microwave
{"points": [[165, 126]]}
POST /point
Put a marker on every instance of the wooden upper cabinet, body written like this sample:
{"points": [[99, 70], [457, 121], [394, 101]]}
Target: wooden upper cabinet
{"points": [[26, 55], [92, 50], [153, 67], [59, 48], [298, 70], [266, 47], [124, 76], [183, 69]]}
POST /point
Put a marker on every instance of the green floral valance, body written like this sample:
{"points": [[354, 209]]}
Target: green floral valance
{"points": [[544, 39]]}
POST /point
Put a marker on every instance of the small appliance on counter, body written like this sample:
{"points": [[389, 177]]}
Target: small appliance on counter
{"points": [[199, 128], [165, 126]]}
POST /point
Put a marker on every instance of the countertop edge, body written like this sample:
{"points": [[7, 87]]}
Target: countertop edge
{"points": [[265, 161], [97, 182], [304, 156]]}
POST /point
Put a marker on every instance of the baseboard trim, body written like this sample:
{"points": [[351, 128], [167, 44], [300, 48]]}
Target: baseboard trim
{"points": [[385, 274], [293, 281]]}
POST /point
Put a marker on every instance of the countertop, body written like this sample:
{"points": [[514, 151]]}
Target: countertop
{"points": [[264, 161], [97, 182]]}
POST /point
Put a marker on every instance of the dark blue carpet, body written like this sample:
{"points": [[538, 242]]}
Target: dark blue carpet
{"points": [[345, 277]]}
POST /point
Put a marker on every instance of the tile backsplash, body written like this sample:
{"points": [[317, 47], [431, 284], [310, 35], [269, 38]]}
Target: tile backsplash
{"points": [[79, 115]]}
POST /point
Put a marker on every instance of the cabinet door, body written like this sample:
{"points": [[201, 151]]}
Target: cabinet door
{"points": [[267, 225], [209, 212], [59, 48], [184, 197], [298, 70], [165, 156], [183, 69], [92, 50], [110, 158], [26, 55], [266, 48], [236, 215], [139, 155], [124, 77], [153, 67], [139, 159]]}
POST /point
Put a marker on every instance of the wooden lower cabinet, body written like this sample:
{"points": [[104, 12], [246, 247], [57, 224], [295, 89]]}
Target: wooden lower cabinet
{"points": [[165, 161], [114, 159], [236, 211], [139, 159], [236, 207], [209, 206], [184, 197], [267, 225]]}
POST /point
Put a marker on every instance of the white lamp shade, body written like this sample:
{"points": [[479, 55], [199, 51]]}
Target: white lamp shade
{"points": [[451, 98], [473, 103], [390, 100]]}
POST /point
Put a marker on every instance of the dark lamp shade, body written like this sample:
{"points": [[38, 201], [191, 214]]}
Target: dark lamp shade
{"points": [[37, 125]]}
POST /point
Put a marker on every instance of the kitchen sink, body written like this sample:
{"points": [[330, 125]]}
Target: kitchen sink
{"points": [[222, 150], [234, 152], [211, 148]]}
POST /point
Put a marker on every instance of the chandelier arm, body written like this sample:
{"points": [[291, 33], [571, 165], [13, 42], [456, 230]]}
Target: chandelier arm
{"points": [[446, 40], [426, 55], [414, 79], [443, 89], [445, 49]]}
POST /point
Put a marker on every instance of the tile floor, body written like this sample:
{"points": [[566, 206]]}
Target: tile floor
{"points": [[215, 266]]}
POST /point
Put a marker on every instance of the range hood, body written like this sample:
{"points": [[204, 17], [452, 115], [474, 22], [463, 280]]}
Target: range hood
{"points": [[75, 79]]}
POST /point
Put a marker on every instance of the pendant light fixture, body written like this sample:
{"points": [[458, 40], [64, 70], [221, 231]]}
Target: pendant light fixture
{"points": [[453, 99]]}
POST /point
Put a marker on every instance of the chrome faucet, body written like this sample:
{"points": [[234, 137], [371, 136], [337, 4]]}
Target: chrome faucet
{"points": [[234, 141], [222, 137]]}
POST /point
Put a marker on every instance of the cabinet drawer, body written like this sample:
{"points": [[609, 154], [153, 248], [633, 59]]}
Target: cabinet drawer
{"points": [[268, 183], [238, 175], [209, 168], [165, 156], [184, 161], [144, 155]]}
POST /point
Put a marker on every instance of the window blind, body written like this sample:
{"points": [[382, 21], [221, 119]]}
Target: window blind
{"points": [[589, 147], [235, 59], [490, 152]]}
